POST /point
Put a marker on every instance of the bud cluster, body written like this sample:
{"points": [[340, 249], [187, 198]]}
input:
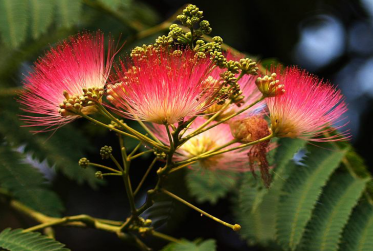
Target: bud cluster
{"points": [[83, 162], [269, 86], [81, 104], [105, 152]]}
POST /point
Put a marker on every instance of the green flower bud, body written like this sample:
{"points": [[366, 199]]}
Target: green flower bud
{"points": [[83, 162], [99, 175], [105, 152]]}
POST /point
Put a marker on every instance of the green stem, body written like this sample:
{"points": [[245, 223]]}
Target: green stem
{"points": [[139, 135], [214, 152], [145, 176], [235, 227], [116, 162], [104, 167], [107, 126], [165, 237], [221, 121], [112, 174], [134, 150], [213, 117], [140, 154]]}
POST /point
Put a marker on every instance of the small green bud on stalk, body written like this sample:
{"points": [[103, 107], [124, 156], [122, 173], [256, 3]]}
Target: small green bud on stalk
{"points": [[83, 162], [105, 152]]}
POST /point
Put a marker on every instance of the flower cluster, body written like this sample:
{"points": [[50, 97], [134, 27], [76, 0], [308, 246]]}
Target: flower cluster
{"points": [[209, 102]]}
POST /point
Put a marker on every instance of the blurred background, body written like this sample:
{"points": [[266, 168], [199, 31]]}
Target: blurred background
{"points": [[330, 38]]}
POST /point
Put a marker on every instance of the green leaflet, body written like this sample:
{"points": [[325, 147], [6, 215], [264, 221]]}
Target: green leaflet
{"points": [[332, 212], [26, 183], [357, 235], [42, 16], [209, 185], [68, 12], [256, 221], [301, 191], [16, 240], [13, 21], [208, 245], [61, 153], [257, 205]]}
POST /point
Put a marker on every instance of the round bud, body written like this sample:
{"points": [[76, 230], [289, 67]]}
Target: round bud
{"points": [[83, 162], [105, 152]]}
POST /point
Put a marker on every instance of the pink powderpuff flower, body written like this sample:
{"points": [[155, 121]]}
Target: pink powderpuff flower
{"points": [[164, 86], [61, 75], [307, 109], [209, 140]]}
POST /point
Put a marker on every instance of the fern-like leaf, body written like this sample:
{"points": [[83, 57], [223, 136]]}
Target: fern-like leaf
{"points": [[26, 183], [256, 220], [61, 153], [13, 21], [301, 191], [208, 245], [209, 185], [16, 240], [68, 12], [257, 206], [357, 235], [332, 212], [41, 15]]}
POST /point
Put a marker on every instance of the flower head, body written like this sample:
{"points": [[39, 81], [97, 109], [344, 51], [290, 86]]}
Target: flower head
{"points": [[307, 108], [74, 68], [164, 86]]}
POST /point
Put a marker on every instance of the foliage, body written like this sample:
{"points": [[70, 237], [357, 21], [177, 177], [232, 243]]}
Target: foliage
{"points": [[26, 183], [208, 245], [208, 185], [309, 207], [16, 240]]}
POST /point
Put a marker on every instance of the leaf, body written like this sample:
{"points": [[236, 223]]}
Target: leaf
{"points": [[301, 191], [256, 221], [357, 235], [16, 240], [68, 12], [209, 185], [332, 212], [42, 16], [208, 245], [13, 21], [59, 152], [26, 183], [257, 206]]}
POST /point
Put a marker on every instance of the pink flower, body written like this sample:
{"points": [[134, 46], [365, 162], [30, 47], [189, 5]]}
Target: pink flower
{"points": [[218, 136], [308, 107], [165, 86], [59, 77]]}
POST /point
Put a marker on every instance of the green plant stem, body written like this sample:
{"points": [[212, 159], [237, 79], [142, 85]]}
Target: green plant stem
{"points": [[134, 151], [213, 117], [165, 237], [139, 135], [145, 176], [112, 174], [235, 227], [5, 92], [140, 154], [221, 121], [104, 167], [135, 25], [181, 166], [214, 152], [107, 126], [116, 162]]}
